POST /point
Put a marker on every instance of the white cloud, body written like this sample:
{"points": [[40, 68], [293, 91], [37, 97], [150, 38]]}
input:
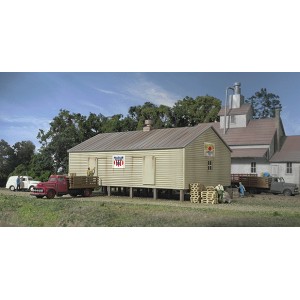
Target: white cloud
{"points": [[19, 128], [25, 120], [109, 92], [93, 107], [148, 91]]}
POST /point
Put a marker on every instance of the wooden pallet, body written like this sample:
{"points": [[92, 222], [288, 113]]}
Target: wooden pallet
{"points": [[195, 199], [195, 192], [209, 197], [210, 188]]}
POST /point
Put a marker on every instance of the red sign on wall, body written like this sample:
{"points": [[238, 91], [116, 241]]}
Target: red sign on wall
{"points": [[118, 161]]}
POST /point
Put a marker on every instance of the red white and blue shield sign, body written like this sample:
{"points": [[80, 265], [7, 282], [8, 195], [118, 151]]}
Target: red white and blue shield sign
{"points": [[118, 161]]}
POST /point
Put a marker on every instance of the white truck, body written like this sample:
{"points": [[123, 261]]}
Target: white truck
{"points": [[27, 183]]}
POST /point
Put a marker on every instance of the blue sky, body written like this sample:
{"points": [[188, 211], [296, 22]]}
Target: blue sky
{"points": [[29, 101]]}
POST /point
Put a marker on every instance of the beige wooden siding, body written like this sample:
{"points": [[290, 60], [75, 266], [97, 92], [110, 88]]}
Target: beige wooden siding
{"points": [[169, 170], [196, 163]]}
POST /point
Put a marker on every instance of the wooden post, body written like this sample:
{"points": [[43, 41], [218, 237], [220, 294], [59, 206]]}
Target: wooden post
{"points": [[154, 194], [181, 195], [108, 191], [131, 192]]}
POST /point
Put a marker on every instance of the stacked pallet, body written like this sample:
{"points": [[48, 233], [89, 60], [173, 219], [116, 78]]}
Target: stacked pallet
{"points": [[209, 197], [210, 188], [195, 192]]}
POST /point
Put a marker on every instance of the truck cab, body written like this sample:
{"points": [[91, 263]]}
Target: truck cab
{"points": [[60, 183], [279, 186]]}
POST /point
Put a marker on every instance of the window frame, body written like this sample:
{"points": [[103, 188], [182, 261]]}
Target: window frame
{"points": [[253, 167], [289, 168], [209, 165]]}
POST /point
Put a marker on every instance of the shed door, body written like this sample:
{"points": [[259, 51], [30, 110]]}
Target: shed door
{"points": [[102, 170], [149, 169], [92, 164]]}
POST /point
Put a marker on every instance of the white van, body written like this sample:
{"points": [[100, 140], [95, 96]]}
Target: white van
{"points": [[27, 183]]}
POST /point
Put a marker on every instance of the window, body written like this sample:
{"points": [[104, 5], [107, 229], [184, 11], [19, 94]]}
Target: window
{"points": [[209, 165], [253, 167], [289, 169], [232, 119]]}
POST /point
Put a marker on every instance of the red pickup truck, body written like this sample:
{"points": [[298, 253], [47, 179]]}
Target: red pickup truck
{"points": [[59, 185]]}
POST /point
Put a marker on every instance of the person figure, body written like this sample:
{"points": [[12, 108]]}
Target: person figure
{"points": [[18, 183], [241, 189], [21, 183], [220, 190], [90, 172]]}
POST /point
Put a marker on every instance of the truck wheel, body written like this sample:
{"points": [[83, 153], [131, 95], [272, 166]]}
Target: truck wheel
{"points": [[30, 189], [51, 194], [12, 188], [287, 192], [87, 193]]}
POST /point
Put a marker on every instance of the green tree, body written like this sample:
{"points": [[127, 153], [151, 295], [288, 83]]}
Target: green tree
{"points": [[190, 112], [42, 165], [23, 153], [160, 115], [113, 124], [6, 161], [66, 131], [264, 104]]}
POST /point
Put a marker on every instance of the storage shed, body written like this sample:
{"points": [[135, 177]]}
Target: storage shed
{"points": [[168, 159]]}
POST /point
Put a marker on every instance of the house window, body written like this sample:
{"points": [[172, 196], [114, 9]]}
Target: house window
{"points": [[289, 169], [209, 165], [253, 167], [232, 119]]}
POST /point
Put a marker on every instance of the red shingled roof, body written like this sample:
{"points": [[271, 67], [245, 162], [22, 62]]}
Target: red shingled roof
{"points": [[169, 138], [257, 132], [243, 110], [290, 150], [254, 152]]}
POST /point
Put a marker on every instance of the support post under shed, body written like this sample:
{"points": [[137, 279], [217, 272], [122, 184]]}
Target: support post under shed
{"points": [[154, 194], [181, 195], [131, 192]]}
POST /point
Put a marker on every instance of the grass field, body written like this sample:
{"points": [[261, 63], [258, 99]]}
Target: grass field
{"points": [[22, 210]]}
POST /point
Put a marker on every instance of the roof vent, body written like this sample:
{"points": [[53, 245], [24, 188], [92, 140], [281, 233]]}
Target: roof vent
{"points": [[148, 125], [237, 88]]}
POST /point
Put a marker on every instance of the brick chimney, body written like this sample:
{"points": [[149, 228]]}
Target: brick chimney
{"points": [[148, 125]]}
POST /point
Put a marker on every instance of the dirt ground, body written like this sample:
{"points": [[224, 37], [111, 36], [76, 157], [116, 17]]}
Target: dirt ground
{"points": [[261, 199]]}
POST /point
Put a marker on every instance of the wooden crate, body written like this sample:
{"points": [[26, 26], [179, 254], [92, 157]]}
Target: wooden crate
{"points": [[209, 197]]}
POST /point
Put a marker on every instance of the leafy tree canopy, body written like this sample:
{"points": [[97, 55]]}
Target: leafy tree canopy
{"points": [[264, 104]]}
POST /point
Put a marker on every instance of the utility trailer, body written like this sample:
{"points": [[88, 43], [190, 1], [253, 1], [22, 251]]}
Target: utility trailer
{"points": [[255, 184], [59, 185]]}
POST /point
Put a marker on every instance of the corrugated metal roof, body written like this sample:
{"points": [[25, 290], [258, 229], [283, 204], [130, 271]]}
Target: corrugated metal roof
{"points": [[254, 152], [289, 152], [257, 132], [169, 138], [243, 110]]}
